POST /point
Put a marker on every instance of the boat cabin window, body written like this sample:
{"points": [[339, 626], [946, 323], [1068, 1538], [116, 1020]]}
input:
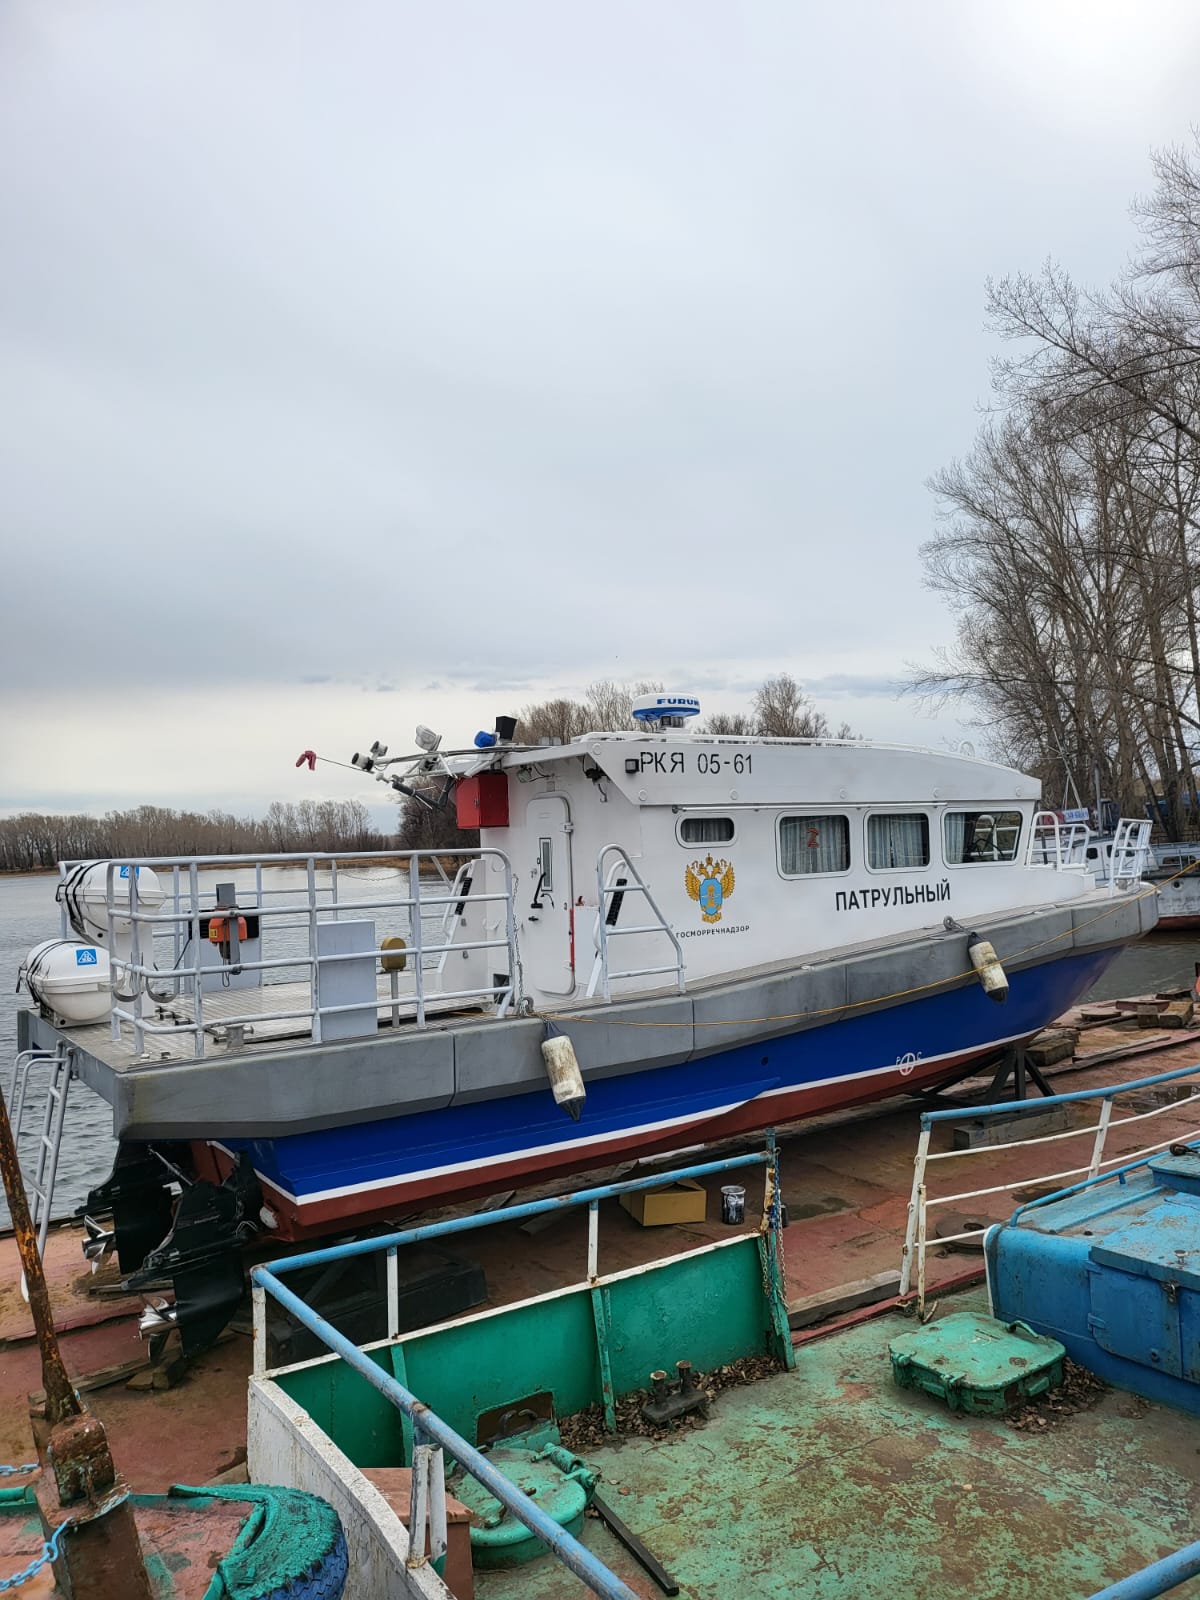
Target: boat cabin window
{"points": [[706, 830], [813, 844], [898, 840], [973, 836]]}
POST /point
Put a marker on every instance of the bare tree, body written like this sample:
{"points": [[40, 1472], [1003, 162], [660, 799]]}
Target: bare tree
{"points": [[725, 722], [783, 711], [607, 707]]}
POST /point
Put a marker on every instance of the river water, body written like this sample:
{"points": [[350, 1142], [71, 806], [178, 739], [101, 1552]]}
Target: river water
{"points": [[28, 915]]}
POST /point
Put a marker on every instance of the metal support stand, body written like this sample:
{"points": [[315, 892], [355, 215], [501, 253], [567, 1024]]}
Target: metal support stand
{"points": [[1012, 1063], [1015, 1064]]}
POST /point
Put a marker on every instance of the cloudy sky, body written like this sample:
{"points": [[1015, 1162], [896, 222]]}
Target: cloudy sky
{"points": [[363, 364]]}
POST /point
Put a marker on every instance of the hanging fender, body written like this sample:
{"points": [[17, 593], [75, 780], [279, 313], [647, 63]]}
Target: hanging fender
{"points": [[992, 977]]}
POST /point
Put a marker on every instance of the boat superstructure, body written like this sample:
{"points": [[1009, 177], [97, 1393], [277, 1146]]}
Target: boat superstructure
{"points": [[729, 932]]}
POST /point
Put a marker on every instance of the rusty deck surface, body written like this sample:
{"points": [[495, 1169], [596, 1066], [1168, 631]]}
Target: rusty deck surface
{"points": [[181, 1544], [846, 1182], [833, 1484]]}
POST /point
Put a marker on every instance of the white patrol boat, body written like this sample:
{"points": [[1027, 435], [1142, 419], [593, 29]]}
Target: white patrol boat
{"points": [[670, 936]]}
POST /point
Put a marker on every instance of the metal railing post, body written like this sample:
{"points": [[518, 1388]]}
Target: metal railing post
{"points": [[921, 1216], [314, 968], [414, 890], [393, 1294], [593, 1261], [258, 1301], [135, 962], [115, 1026], [1101, 1137], [910, 1231], [515, 981], [198, 978], [602, 929]]}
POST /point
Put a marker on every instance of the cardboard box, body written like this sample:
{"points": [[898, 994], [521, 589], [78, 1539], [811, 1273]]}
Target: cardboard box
{"points": [[685, 1201]]}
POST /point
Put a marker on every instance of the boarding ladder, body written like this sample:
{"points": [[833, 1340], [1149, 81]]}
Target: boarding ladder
{"points": [[616, 876], [40, 1187]]}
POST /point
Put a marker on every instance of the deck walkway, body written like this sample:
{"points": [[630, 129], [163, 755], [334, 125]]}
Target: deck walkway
{"points": [[830, 1483]]}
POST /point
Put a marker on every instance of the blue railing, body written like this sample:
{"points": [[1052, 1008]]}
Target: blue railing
{"points": [[1159, 1578], [915, 1236], [426, 1424], [1013, 1107]]}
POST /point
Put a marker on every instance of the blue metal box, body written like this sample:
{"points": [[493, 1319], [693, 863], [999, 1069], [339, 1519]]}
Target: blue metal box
{"points": [[1113, 1272]]}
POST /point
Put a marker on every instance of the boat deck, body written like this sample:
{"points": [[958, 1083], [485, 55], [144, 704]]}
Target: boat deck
{"points": [[833, 1484], [176, 1042]]}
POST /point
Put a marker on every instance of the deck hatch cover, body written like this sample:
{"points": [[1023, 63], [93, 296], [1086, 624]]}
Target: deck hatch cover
{"points": [[1162, 1243]]}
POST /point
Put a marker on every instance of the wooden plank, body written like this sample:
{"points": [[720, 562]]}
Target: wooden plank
{"points": [[810, 1308]]}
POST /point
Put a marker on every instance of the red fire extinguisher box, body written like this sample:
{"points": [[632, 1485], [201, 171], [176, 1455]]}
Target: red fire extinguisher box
{"points": [[482, 801]]}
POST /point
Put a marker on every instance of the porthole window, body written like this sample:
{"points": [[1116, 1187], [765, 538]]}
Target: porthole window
{"points": [[809, 845], [706, 830]]}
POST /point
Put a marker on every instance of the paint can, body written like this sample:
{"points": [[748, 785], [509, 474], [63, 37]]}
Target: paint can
{"points": [[733, 1204]]}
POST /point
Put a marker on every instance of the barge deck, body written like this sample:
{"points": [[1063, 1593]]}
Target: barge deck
{"points": [[832, 1483], [846, 1180]]}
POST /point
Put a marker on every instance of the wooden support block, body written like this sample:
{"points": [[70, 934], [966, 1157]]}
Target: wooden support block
{"points": [[1044, 1053], [810, 1308], [1033, 1124], [1149, 1015], [1178, 1014]]}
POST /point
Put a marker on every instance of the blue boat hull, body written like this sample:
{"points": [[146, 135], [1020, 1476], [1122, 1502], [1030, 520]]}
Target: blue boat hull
{"points": [[320, 1179]]}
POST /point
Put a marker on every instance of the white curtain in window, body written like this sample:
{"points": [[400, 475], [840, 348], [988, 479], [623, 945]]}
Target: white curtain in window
{"points": [[956, 835], [898, 841], [706, 830], [813, 844]]}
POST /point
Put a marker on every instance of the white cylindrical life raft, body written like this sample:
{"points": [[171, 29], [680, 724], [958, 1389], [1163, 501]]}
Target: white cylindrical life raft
{"points": [[84, 892], [562, 1069], [70, 979]]}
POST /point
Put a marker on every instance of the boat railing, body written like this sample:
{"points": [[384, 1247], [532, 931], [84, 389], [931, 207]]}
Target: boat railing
{"points": [[1058, 844], [1131, 854], [616, 877], [916, 1240], [436, 1439], [409, 887]]}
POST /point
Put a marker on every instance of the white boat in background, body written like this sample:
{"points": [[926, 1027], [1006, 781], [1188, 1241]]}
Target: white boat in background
{"points": [[1173, 869]]}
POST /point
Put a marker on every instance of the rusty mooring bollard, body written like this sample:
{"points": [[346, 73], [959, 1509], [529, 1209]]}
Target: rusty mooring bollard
{"points": [[99, 1557]]}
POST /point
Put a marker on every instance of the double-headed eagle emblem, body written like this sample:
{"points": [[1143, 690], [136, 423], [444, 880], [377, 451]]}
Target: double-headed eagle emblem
{"points": [[710, 883]]}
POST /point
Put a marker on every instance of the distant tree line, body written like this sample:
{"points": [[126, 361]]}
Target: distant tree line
{"points": [[32, 840], [779, 709], [1069, 543]]}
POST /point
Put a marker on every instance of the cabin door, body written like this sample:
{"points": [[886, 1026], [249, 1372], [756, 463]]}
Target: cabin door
{"points": [[545, 907]]}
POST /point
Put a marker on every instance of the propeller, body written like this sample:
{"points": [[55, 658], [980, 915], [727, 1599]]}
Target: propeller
{"points": [[156, 1324], [98, 1245]]}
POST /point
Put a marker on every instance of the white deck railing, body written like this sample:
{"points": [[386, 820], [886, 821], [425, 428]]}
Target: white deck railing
{"points": [[920, 1202], [144, 990], [616, 877]]}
